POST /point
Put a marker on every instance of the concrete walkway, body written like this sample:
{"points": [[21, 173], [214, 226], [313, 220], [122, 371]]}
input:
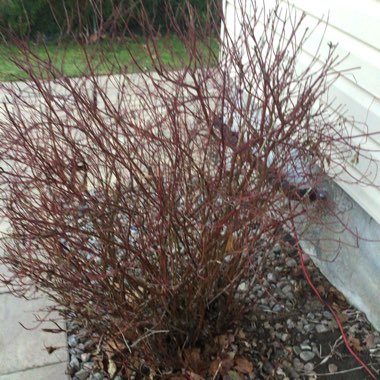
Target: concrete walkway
{"points": [[23, 353], [23, 343]]}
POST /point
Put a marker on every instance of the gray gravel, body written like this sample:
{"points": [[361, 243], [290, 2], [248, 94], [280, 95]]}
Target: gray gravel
{"points": [[293, 340]]}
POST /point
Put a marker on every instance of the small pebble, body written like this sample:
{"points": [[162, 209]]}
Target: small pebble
{"points": [[268, 368], [85, 357], [333, 368], [321, 328], [297, 350], [308, 328], [299, 326], [298, 365], [266, 325], [305, 346], [80, 346], [82, 334], [293, 374], [291, 263], [287, 289], [309, 367], [277, 308], [89, 366], [82, 375], [280, 372], [97, 376], [307, 355], [271, 277], [74, 363], [327, 315], [89, 344], [78, 351], [285, 337], [72, 340], [290, 324]]}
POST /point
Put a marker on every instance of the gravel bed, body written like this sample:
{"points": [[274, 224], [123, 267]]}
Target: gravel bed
{"points": [[288, 335]]}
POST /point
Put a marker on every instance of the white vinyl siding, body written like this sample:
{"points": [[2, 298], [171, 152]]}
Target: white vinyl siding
{"points": [[355, 27]]}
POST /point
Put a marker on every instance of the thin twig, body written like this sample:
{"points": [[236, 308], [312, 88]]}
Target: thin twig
{"points": [[136, 342], [339, 372]]}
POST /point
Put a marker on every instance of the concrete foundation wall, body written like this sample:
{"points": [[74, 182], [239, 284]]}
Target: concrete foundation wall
{"points": [[345, 245]]}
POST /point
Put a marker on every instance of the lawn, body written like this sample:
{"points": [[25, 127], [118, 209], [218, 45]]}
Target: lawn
{"points": [[104, 56]]}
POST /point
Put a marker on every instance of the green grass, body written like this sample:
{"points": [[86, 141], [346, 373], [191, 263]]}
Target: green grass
{"points": [[105, 57]]}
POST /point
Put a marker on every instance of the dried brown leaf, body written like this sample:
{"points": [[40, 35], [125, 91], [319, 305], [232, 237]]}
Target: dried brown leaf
{"points": [[243, 365], [241, 334], [342, 317], [221, 366], [113, 346], [355, 343], [192, 357], [230, 243], [215, 367], [321, 290], [194, 376], [370, 341], [223, 341], [227, 364]]}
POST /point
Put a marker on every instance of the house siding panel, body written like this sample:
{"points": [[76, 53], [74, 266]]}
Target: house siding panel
{"points": [[355, 29]]}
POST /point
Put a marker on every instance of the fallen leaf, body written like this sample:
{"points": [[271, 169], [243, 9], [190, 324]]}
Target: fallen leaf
{"points": [[231, 338], [243, 365], [215, 367], [342, 317], [321, 290], [194, 376], [112, 346], [223, 341], [234, 375], [231, 354], [230, 243], [241, 334], [112, 369], [227, 364], [192, 357], [370, 341], [355, 343], [337, 294]]}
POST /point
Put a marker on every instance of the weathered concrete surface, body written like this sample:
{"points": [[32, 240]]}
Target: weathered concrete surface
{"points": [[22, 349], [344, 242], [54, 371], [4, 271], [23, 353]]}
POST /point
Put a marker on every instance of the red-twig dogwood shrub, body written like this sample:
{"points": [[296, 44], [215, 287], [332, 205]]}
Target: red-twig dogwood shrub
{"points": [[139, 202]]}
